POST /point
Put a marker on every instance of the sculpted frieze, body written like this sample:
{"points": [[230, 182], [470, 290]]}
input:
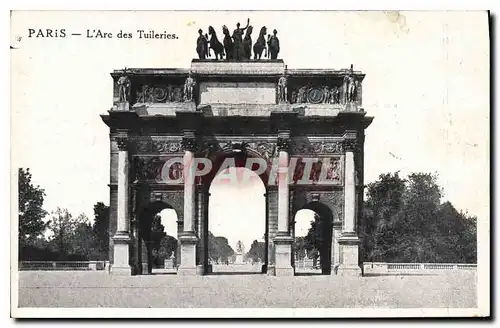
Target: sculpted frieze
{"points": [[318, 147], [158, 146]]}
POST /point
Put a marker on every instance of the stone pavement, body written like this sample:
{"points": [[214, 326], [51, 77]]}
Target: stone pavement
{"points": [[98, 289]]}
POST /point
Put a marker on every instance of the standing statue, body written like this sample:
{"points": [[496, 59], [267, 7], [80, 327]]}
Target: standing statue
{"points": [[349, 87], [327, 93], [189, 88], [282, 89], [228, 43], [177, 94], [201, 45], [335, 98], [170, 93], [215, 44], [238, 41], [124, 89], [247, 43], [301, 97], [260, 44], [293, 99], [274, 45], [240, 248]]}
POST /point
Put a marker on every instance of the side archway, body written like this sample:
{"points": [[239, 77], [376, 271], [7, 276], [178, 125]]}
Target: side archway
{"points": [[154, 238], [313, 248]]}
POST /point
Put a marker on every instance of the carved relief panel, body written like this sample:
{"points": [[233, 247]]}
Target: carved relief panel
{"points": [[168, 170], [333, 199]]}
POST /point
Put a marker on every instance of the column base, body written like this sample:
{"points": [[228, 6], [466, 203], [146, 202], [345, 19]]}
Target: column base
{"points": [[271, 270], [349, 255], [120, 270], [121, 254], [185, 271], [283, 251], [188, 265], [200, 270], [349, 271]]}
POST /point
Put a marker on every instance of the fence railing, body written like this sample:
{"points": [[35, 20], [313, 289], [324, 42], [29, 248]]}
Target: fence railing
{"points": [[382, 267], [63, 265]]}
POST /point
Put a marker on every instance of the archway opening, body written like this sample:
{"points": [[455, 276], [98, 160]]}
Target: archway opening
{"points": [[236, 221], [312, 246], [159, 249]]}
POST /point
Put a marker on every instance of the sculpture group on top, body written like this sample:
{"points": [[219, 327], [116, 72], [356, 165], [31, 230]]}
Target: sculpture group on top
{"points": [[237, 46]]}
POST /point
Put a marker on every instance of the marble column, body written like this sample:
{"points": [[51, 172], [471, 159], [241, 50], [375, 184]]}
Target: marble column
{"points": [[188, 238], [349, 241], [272, 227], [283, 240], [336, 233], [200, 231], [121, 238]]}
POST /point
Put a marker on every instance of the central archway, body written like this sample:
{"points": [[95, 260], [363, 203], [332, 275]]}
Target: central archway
{"points": [[236, 217]]}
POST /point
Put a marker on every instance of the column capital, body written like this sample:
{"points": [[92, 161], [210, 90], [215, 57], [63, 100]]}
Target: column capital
{"points": [[349, 145], [189, 140], [284, 142], [122, 143]]}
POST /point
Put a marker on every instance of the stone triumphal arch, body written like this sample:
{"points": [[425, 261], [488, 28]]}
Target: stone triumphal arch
{"points": [[171, 130]]}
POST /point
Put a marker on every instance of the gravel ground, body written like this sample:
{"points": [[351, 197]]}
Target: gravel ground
{"points": [[99, 289]]}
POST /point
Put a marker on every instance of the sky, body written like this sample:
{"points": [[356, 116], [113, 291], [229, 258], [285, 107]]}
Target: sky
{"points": [[427, 85]]}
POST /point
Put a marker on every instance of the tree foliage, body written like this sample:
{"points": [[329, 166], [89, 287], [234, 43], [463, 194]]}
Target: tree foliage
{"points": [[100, 232], [257, 251], [31, 212], [219, 249], [405, 221], [70, 235]]}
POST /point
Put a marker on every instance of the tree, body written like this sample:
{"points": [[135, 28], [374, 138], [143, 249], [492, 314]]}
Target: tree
{"points": [[218, 248], [63, 226], [168, 246], [157, 235], [82, 240], [384, 200], [31, 212], [406, 222], [317, 242], [100, 231], [257, 251]]}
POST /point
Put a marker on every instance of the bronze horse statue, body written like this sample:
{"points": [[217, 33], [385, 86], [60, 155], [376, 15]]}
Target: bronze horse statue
{"points": [[247, 44], [215, 44], [228, 43], [260, 44]]}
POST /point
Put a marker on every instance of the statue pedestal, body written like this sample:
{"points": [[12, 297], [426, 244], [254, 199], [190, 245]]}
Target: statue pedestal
{"points": [[122, 107], [169, 263], [239, 259], [351, 107]]}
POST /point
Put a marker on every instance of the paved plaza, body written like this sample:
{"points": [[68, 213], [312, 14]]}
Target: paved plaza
{"points": [[98, 289]]}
